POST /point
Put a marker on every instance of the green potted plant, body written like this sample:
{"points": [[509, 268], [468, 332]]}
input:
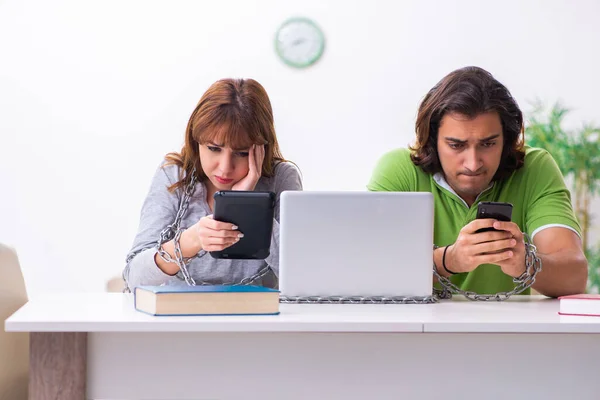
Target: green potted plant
{"points": [[577, 154]]}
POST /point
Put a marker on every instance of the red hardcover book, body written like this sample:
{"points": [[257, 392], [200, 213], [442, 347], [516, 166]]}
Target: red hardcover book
{"points": [[580, 304]]}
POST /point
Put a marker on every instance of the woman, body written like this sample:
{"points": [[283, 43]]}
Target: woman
{"points": [[230, 144]]}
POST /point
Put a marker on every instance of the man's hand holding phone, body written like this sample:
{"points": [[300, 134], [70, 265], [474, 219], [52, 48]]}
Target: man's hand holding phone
{"points": [[515, 265], [471, 249], [491, 239]]}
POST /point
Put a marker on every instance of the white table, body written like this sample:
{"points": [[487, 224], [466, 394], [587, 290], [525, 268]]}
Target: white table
{"points": [[454, 349]]}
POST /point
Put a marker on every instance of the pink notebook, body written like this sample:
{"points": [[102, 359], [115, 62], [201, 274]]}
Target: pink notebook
{"points": [[580, 304]]}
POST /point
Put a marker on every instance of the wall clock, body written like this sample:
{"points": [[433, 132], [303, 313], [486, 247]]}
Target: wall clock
{"points": [[299, 42]]}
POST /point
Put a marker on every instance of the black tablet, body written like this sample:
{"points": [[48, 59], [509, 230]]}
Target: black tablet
{"points": [[253, 213]]}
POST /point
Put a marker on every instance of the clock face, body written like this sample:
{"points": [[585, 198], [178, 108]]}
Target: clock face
{"points": [[299, 42]]}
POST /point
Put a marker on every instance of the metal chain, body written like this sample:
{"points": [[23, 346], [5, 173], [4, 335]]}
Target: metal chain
{"points": [[533, 265], [357, 299], [173, 232]]}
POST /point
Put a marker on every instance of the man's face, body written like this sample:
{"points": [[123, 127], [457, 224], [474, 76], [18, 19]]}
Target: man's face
{"points": [[470, 151]]}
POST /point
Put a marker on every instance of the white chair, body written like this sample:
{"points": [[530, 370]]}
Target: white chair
{"points": [[115, 285], [14, 347]]}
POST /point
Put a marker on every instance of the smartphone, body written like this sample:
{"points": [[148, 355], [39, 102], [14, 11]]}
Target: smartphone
{"points": [[252, 212], [496, 210]]}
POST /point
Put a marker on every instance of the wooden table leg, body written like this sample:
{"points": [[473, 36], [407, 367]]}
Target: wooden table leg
{"points": [[57, 367]]}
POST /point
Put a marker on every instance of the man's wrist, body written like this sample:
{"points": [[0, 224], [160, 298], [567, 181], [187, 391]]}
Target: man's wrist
{"points": [[521, 269], [438, 252], [444, 261]]}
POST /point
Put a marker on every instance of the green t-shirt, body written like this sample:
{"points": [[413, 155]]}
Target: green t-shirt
{"points": [[537, 192]]}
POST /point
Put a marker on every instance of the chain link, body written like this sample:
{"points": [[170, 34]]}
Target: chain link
{"points": [[358, 299], [173, 232], [533, 265]]}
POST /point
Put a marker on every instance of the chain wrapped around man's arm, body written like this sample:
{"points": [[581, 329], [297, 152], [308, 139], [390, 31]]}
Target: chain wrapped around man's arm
{"points": [[533, 265]]}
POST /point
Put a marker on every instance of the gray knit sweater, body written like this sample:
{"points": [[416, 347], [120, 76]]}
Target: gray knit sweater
{"points": [[159, 210]]}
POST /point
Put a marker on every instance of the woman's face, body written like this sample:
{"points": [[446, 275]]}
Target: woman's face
{"points": [[224, 166]]}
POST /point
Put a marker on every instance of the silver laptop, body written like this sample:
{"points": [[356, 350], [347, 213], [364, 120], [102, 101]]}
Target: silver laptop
{"points": [[356, 243]]}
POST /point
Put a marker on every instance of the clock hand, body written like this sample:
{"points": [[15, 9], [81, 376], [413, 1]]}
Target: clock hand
{"points": [[298, 41]]}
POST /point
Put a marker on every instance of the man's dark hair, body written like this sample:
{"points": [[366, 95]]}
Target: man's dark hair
{"points": [[469, 91]]}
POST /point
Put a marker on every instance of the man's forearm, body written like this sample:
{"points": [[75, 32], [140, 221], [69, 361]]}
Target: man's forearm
{"points": [[562, 273]]}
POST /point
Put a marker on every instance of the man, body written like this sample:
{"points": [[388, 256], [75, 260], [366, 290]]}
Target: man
{"points": [[470, 148]]}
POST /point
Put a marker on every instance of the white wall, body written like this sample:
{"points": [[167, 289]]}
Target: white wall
{"points": [[93, 94]]}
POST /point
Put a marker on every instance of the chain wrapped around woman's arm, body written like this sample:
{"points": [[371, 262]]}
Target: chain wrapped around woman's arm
{"points": [[181, 261]]}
